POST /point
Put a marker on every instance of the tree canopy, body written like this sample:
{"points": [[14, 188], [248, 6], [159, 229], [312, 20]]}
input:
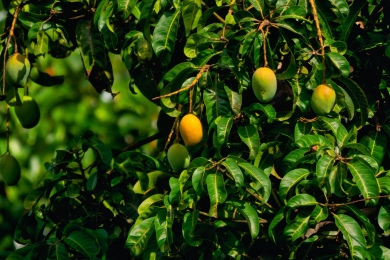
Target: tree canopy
{"points": [[281, 105]]}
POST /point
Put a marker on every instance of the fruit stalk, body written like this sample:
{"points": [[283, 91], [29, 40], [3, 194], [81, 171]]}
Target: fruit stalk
{"points": [[313, 6], [7, 127]]}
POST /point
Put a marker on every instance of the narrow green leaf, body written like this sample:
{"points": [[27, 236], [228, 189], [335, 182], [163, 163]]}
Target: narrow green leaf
{"points": [[82, 243], [163, 227], [273, 227], [324, 167], [376, 142], [33, 197], [164, 35], [259, 6], [259, 176], [384, 219], [353, 235], [299, 226], [58, 251], [199, 179], [364, 177], [139, 236], [336, 127], [300, 200], [217, 192], [144, 21], [188, 228], [224, 125], [249, 214], [235, 100], [289, 181], [216, 102], [191, 12], [125, 7], [340, 62], [301, 129], [156, 199], [250, 136], [232, 167]]}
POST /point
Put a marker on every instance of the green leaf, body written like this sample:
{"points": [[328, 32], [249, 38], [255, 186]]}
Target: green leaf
{"points": [[345, 100], [164, 35], [376, 142], [44, 79], [91, 46], [232, 167], [268, 110], [310, 140], [273, 227], [250, 136], [359, 100], [370, 231], [156, 199], [319, 214], [125, 7], [325, 16], [146, 14], [58, 251], [384, 219], [163, 226], [82, 243], [301, 129], [199, 179], [184, 181], [33, 197], [259, 6], [324, 167], [217, 192], [290, 180], [224, 125], [340, 62], [291, 159], [216, 102], [139, 235], [300, 200], [353, 235], [336, 127], [299, 226], [259, 176], [235, 100], [42, 45], [191, 12], [349, 22], [364, 177], [249, 213], [188, 228]]}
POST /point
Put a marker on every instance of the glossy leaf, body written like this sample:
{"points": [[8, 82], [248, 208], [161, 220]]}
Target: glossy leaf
{"points": [[384, 218], [217, 192], [339, 62], [299, 226], [353, 235], [163, 226], [250, 136], [191, 12], [190, 221], [260, 177], [289, 181], [156, 199], [376, 142], [139, 236], [233, 169], [82, 243], [164, 36], [224, 125], [249, 214]]}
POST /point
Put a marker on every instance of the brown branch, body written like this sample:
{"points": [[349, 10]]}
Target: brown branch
{"points": [[143, 142], [7, 127], [355, 201], [203, 69], [313, 6]]}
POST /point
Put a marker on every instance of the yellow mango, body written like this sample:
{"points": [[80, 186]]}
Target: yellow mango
{"points": [[323, 100], [9, 169], [191, 130], [16, 70], [264, 84], [178, 157]]}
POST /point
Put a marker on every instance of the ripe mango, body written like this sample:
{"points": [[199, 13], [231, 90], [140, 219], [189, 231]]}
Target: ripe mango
{"points": [[178, 157], [9, 169], [28, 113], [264, 84], [191, 130], [323, 100], [17, 69]]}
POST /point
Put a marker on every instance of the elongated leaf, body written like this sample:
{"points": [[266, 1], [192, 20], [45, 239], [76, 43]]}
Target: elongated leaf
{"points": [[300, 200], [191, 12], [144, 21], [217, 192], [350, 21], [336, 127], [339, 62], [299, 226], [259, 176], [232, 167], [199, 179], [376, 142], [249, 214], [324, 167], [290, 160], [33, 197], [235, 100], [353, 235], [319, 214], [224, 125], [125, 7], [259, 6], [310, 140], [188, 228], [325, 16], [364, 220], [289, 181], [82, 243], [359, 147], [364, 177], [301, 129], [384, 218], [359, 100], [163, 227], [139, 236], [345, 100], [250, 136], [156, 199], [216, 102], [58, 251], [268, 110], [91, 46], [164, 35], [273, 227]]}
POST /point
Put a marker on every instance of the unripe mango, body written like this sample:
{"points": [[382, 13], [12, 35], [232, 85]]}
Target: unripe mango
{"points": [[191, 130], [28, 113], [178, 157], [16, 70], [323, 100], [264, 84], [9, 169]]}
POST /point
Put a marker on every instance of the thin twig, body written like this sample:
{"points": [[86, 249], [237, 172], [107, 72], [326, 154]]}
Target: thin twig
{"points": [[7, 127], [313, 6], [203, 69], [355, 201], [214, 13]]}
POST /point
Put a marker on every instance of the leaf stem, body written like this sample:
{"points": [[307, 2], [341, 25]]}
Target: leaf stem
{"points": [[315, 15], [214, 13], [355, 201]]}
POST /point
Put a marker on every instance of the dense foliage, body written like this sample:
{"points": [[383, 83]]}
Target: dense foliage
{"points": [[268, 180]]}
